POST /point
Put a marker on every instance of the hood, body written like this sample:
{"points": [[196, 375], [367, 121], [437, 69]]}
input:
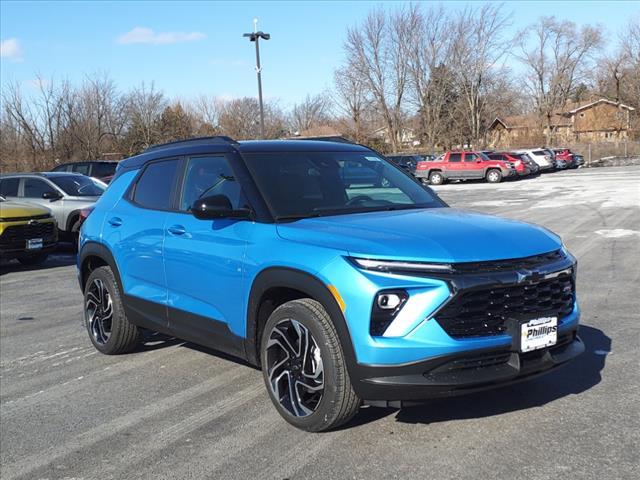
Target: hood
{"points": [[9, 210], [436, 234]]}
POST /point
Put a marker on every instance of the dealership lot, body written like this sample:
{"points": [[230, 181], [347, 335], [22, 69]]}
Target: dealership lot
{"points": [[175, 410]]}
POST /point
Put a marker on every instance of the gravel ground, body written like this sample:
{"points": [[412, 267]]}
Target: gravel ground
{"points": [[175, 410]]}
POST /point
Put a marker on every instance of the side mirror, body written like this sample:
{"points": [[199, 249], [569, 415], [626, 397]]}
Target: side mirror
{"points": [[53, 196], [217, 206], [478, 161]]}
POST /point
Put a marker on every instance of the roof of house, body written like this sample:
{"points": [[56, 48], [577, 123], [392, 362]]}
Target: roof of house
{"points": [[576, 107]]}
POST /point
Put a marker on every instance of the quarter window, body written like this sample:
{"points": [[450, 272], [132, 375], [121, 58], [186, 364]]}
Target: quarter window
{"points": [[153, 189]]}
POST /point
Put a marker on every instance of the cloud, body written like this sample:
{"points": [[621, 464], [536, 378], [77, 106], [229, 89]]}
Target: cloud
{"points": [[11, 49], [149, 37]]}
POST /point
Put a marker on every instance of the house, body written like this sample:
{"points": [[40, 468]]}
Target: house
{"points": [[593, 121]]}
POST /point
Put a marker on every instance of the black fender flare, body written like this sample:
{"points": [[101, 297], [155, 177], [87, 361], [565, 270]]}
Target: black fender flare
{"points": [[72, 218], [95, 249], [308, 284]]}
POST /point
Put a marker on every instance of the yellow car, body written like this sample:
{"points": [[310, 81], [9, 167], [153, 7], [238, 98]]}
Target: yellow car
{"points": [[27, 232]]}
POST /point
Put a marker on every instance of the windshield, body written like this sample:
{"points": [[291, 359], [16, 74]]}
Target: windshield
{"points": [[307, 184], [78, 185]]}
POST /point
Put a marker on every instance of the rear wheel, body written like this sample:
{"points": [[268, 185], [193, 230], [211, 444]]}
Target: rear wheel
{"points": [[494, 176], [436, 178], [304, 368], [105, 319]]}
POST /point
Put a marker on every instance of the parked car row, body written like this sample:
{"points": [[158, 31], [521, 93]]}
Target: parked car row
{"points": [[489, 165]]}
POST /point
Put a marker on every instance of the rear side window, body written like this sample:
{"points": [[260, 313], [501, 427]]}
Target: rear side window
{"points": [[101, 170], [82, 168], [455, 157], [9, 187], [154, 187]]}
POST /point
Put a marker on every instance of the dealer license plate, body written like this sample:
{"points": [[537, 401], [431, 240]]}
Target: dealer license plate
{"points": [[34, 243], [538, 333]]}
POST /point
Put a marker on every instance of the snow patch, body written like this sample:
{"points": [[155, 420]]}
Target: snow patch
{"points": [[617, 233]]}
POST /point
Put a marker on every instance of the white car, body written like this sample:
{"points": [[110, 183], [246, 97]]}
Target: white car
{"points": [[542, 158]]}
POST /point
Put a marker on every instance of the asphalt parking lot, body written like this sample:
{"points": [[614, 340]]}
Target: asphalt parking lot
{"points": [[174, 410]]}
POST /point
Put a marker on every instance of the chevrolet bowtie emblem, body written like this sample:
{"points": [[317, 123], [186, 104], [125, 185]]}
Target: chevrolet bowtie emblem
{"points": [[529, 276]]}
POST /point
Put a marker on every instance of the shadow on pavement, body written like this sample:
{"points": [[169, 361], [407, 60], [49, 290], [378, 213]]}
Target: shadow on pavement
{"points": [[574, 378], [63, 256]]}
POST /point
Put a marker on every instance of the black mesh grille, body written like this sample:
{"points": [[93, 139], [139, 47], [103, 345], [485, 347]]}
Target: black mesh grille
{"points": [[15, 236], [485, 311], [509, 265]]}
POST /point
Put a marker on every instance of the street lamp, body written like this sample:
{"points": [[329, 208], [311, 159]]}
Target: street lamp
{"points": [[255, 37]]}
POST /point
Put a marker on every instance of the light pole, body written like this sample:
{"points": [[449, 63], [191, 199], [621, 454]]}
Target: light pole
{"points": [[255, 37]]}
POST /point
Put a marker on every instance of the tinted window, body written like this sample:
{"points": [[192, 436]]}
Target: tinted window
{"points": [[9, 187], [304, 184], [455, 157], [61, 168], [82, 168], [153, 189], [78, 185], [495, 156], [208, 176], [102, 170], [34, 188], [470, 157]]}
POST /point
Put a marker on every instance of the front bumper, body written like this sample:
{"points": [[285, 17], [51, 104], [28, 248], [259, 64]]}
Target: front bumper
{"points": [[460, 373]]}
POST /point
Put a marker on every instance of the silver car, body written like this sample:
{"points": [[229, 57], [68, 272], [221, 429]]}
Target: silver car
{"points": [[65, 194]]}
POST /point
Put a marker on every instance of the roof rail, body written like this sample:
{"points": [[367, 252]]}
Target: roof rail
{"points": [[325, 138], [195, 141]]}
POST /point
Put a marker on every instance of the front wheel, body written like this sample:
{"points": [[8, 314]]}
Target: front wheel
{"points": [[304, 367], [494, 176]]}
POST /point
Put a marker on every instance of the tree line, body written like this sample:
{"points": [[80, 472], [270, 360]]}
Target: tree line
{"points": [[443, 76]]}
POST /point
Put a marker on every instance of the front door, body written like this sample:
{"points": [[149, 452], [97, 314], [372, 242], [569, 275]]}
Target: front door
{"points": [[204, 259], [473, 167]]}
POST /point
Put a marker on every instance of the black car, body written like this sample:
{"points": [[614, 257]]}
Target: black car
{"points": [[102, 170], [408, 162]]}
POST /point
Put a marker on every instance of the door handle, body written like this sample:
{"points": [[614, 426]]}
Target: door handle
{"points": [[176, 230], [115, 221]]}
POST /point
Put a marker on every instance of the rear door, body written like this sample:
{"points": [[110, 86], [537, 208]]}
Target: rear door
{"points": [[204, 259], [134, 229], [454, 166], [473, 166]]}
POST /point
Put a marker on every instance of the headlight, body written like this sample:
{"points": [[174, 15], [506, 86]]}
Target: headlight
{"points": [[393, 266]]}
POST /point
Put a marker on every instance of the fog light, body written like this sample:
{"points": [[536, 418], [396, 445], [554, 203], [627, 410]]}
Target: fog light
{"points": [[385, 308], [388, 301]]}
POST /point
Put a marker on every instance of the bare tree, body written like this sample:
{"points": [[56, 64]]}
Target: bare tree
{"points": [[352, 101], [479, 47], [145, 105], [556, 55], [377, 51], [311, 112], [238, 119]]}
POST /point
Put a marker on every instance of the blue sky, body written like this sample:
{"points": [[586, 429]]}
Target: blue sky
{"points": [[188, 48]]}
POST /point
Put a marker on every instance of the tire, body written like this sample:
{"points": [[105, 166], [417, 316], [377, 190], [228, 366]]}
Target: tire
{"points": [[494, 176], [424, 181], [32, 260], [331, 400], [436, 178], [109, 330]]}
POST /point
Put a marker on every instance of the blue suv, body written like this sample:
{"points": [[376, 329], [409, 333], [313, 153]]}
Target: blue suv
{"points": [[344, 289]]}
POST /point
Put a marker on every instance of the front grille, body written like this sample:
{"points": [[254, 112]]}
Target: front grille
{"points": [[15, 236], [509, 265], [485, 311]]}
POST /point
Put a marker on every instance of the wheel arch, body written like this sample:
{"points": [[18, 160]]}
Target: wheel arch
{"points": [[290, 280], [72, 218], [94, 255]]}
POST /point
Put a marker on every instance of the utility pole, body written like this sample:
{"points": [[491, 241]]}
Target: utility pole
{"points": [[255, 37]]}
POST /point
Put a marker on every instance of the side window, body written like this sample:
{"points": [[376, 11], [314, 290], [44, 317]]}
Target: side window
{"points": [[208, 176], [35, 188], [9, 187], [61, 168], [103, 169], [153, 189], [455, 157], [82, 168], [470, 157]]}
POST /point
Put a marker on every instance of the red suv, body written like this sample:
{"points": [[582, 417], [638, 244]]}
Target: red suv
{"points": [[464, 166], [521, 166]]}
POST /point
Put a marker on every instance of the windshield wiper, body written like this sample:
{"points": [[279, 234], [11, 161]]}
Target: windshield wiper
{"points": [[298, 216]]}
